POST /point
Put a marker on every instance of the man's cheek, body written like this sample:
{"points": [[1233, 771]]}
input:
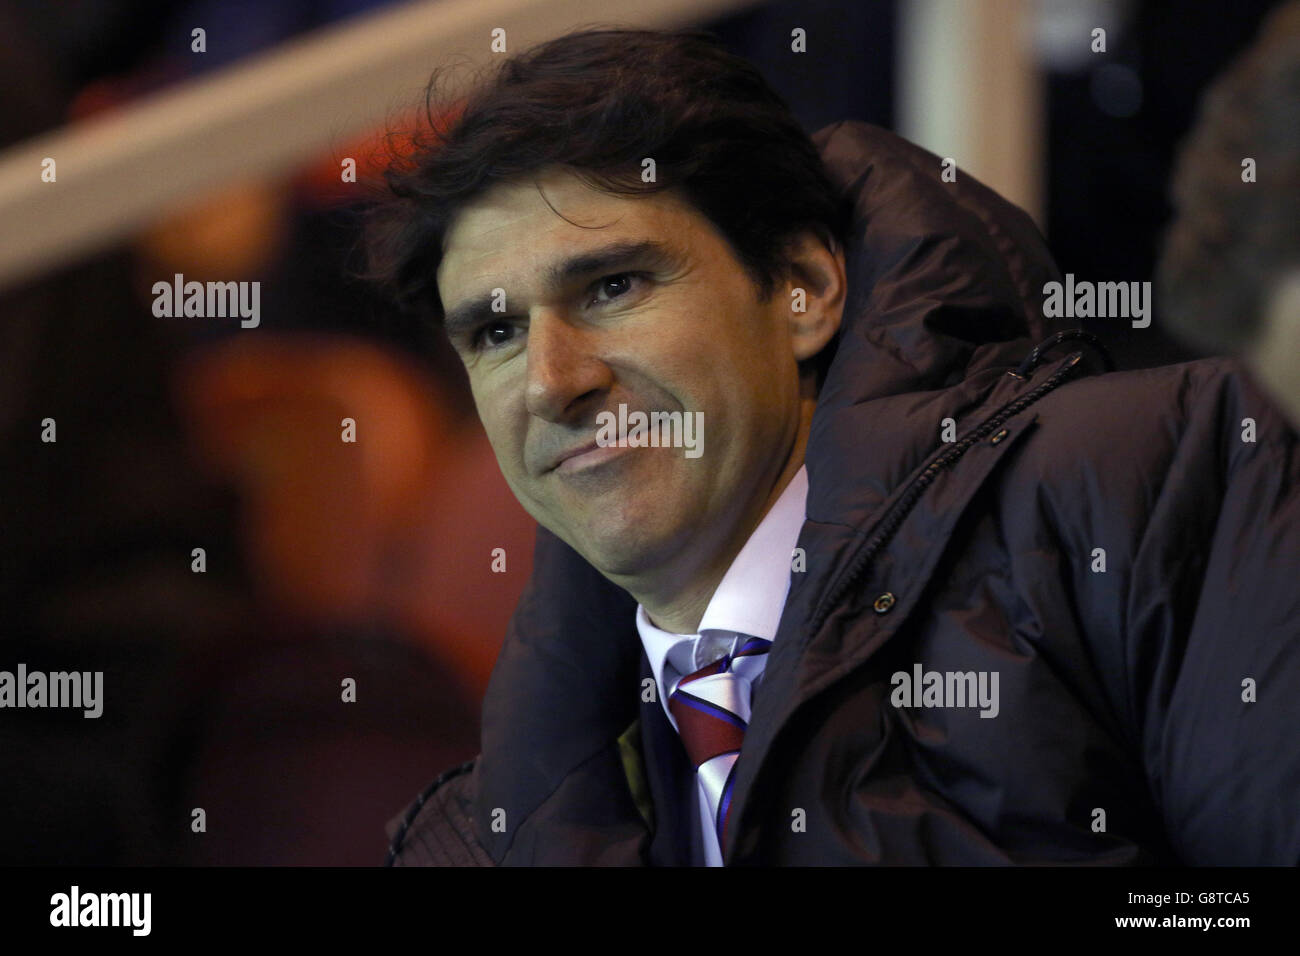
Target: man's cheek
{"points": [[507, 450]]}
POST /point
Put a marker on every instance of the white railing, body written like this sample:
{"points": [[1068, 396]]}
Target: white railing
{"points": [[266, 116]]}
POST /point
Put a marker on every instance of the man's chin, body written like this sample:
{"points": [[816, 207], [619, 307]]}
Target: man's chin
{"points": [[623, 549]]}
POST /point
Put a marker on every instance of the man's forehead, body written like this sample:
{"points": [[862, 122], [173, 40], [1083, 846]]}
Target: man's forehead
{"points": [[520, 229]]}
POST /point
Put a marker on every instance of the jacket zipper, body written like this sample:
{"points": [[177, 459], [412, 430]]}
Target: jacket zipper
{"points": [[901, 508]]}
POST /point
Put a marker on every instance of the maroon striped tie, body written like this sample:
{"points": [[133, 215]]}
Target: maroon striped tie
{"points": [[712, 708]]}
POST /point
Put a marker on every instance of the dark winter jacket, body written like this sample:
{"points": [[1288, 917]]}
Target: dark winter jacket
{"points": [[1122, 550]]}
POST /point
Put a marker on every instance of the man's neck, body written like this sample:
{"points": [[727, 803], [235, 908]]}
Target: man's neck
{"points": [[679, 609]]}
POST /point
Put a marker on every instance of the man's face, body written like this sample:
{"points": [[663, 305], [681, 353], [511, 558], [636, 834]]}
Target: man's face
{"points": [[674, 327]]}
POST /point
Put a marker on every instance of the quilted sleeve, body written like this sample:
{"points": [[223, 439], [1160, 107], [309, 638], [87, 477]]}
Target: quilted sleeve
{"points": [[438, 829], [1213, 633]]}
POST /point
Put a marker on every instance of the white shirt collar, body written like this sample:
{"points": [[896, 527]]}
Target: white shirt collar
{"points": [[751, 596]]}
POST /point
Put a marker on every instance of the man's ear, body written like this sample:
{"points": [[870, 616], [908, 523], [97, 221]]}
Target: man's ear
{"points": [[815, 292]]}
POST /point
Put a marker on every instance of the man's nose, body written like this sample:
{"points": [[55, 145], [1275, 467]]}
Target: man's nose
{"points": [[563, 366]]}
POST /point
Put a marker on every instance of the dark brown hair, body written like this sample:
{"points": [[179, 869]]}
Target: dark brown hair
{"points": [[600, 101]]}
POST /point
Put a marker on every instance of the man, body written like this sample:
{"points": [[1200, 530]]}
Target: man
{"points": [[927, 593], [1230, 269]]}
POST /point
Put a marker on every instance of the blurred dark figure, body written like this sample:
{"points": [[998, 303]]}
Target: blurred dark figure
{"points": [[1229, 275], [1113, 124], [212, 697], [217, 693]]}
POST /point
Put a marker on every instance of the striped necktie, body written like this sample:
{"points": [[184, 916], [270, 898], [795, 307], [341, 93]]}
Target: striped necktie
{"points": [[712, 707]]}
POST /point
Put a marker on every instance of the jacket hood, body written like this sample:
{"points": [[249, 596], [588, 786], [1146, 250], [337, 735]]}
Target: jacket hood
{"points": [[945, 285], [945, 279]]}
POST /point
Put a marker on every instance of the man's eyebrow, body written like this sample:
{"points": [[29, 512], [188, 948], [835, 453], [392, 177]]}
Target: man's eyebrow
{"points": [[623, 254]]}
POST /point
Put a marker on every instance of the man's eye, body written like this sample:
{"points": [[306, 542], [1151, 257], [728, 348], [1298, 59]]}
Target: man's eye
{"points": [[492, 335], [614, 286]]}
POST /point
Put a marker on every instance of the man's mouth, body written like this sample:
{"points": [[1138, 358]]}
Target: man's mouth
{"points": [[585, 456]]}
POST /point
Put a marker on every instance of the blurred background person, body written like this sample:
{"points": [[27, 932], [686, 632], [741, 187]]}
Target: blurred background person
{"points": [[1229, 276], [223, 689]]}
